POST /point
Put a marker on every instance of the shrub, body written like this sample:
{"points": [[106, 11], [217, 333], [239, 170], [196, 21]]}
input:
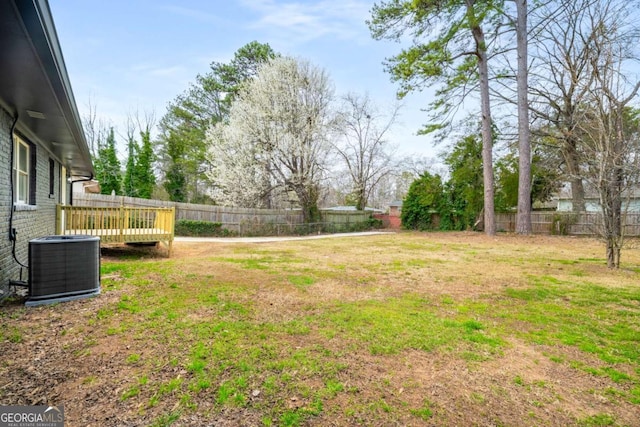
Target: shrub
{"points": [[561, 223], [186, 227], [424, 198], [374, 223]]}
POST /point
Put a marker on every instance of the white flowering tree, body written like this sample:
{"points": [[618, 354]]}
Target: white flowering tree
{"points": [[277, 137], [236, 170]]}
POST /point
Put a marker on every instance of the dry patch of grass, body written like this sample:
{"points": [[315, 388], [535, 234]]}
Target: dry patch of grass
{"points": [[406, 329]]}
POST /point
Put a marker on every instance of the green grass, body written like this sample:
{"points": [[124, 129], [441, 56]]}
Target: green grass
{"points": [[12, 335], [583, 315], [599, 420], [424, 412], [301, 281], [230, 352], [133, 359], [357, 332], [166, 420], [394, 325]]}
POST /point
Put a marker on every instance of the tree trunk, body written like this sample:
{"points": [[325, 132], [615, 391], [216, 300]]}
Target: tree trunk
{"points": [[570, 154], [617, 185], [361, 198], [308, 199], [266, 198], [611, 198], [523, 218], [485, 108], [577, 195], [613, 227], [613, 256]]}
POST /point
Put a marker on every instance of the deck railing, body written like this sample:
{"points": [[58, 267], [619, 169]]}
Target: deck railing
{"points": [[118, 224]]}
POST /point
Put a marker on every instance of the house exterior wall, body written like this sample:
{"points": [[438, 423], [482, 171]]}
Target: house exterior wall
{"points": [[38, 221]]}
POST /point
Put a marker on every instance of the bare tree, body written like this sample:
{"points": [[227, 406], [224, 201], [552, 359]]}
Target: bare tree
{"points": [[406, 170], [611, 127], [363, 147], [95, 129], [561, 79]]}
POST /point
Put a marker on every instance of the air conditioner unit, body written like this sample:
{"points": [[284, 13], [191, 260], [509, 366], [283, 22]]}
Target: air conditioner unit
{"points": [[63, 268]]}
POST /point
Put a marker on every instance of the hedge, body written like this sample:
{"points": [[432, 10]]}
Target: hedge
{"points": [[186, 227]]}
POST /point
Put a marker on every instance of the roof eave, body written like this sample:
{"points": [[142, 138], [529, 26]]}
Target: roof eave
{"points": [[46, 89]]}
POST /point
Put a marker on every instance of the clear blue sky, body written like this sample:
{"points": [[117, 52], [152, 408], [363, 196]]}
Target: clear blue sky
{"points": [[137, 55]]}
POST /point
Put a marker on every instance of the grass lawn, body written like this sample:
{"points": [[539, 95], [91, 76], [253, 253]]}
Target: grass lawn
{"points": [[409, 329]]}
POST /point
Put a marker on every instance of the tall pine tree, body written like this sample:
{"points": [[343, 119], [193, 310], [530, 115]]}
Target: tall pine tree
{"points": [[145, 178], [450, 47], [108, 170], [130, 179], [183, 127]]}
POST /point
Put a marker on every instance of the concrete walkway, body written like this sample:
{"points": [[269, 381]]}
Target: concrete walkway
{"points": [[274, 238]]}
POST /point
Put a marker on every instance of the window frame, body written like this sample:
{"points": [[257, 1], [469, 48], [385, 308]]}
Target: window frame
{"points": [[52, 178], [22, 197]]}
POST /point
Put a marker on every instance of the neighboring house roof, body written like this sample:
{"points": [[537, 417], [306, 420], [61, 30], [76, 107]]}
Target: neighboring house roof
{"points": [[34, 83], [396, 203]]}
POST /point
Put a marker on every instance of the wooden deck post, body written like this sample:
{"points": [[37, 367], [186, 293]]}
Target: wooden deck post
{"points": [[121, 222], [58, 220]]}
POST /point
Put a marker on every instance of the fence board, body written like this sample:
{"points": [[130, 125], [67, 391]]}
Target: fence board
{"points": [[582, 224]]}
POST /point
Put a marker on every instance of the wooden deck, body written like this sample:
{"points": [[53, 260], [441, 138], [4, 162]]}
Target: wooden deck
{"points": [[118, 224]]}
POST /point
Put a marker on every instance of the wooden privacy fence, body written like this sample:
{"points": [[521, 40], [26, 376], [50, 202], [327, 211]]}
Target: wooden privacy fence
{"points": [[344, 217], [281, 221], [243, 221], [224, 215], [122, 224], [568, 223]]}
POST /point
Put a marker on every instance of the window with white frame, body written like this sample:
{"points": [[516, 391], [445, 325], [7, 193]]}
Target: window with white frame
{"points": [[21, 171]]}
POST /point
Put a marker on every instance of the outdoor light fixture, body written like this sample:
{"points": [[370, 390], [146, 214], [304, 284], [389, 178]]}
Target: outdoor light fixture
{"points": [[36, 114]]}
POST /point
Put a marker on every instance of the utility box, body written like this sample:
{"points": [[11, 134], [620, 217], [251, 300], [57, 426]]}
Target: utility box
{"points": [[63, 268]]}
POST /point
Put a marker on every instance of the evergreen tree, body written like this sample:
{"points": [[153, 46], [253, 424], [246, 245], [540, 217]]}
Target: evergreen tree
{"points": [[139, 179], [175, 176], [130, 179], [424, 198], [145, 178], [465, 187], [108, 171], [175, 183]]}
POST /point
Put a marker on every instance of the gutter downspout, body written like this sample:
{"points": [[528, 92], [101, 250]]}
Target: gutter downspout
{"points": [[90, 178]]}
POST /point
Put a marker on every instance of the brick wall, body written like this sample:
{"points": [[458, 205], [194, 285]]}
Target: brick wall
{"points": [[389, 221], [29, 224]]}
